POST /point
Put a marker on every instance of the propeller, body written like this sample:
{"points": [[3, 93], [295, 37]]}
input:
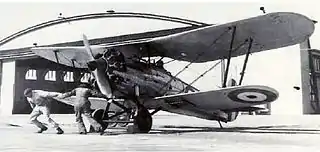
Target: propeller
{"points": [[87, 46], [97, 68]]}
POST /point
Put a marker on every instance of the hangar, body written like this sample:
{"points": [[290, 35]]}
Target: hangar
{"points": [[20, 68], [310, 78]]}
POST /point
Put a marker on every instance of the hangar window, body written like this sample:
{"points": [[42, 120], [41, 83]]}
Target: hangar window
{"points": [[50, 76], [31, 74], [68, 77], [86, 77]]}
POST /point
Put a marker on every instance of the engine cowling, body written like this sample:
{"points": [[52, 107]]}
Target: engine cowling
{"points": [[115, 60]]}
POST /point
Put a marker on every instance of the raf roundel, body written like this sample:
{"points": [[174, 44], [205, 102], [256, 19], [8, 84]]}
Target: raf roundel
{"points": [[252, 96]]}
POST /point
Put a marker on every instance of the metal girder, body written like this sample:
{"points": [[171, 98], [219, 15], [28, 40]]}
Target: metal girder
{"points": [[61, 20]]}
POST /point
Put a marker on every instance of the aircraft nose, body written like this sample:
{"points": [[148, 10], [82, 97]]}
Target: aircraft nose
{"points": [[97, 63], [92, 65]]}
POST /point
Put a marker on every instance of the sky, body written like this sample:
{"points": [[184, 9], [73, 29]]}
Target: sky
{"points": [[278, 68]]}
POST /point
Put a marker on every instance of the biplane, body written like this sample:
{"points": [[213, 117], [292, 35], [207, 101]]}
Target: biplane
{"points": [[140, 87]]}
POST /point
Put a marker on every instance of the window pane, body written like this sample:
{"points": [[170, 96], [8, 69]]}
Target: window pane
{"points": [[50, 76], [31, 74]]}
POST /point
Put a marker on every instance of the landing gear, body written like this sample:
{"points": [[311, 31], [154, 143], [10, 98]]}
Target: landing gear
{"points": [[221, 127], [98, 116], [142, 122]]}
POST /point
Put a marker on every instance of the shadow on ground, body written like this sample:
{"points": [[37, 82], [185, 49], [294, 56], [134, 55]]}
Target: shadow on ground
{"points": [[280, 129], [12, 125], [171, 129], [181, 129]]}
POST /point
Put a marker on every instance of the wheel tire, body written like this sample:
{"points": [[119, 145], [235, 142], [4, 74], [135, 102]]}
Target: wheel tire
{"points": [[143, 120], [97, 115]]}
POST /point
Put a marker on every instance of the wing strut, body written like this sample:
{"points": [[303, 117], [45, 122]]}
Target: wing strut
{"points": [[56, 55], [196, 58], [245, 61], [201, 75], [73, 60], [229, 57]]}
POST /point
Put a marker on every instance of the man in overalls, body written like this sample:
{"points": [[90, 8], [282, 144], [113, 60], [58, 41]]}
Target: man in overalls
{"points": [[39, 101], [82, 106]]}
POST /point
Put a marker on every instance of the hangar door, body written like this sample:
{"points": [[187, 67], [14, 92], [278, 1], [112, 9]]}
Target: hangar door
{"points": [[314, 69]]}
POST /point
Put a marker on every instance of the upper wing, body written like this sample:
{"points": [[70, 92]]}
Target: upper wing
{"points": [[71, 56], [224, 99], [78, 57], [210, 43], [203, 44]]}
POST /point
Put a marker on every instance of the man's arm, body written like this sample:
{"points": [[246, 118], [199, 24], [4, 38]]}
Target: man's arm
{"points": [[47, 94], [95, 93], [67, 94], [32, 105]]}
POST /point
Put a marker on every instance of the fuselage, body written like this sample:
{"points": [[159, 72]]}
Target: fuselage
{"points": [[151, 81], [125, 75], [144, 80]]}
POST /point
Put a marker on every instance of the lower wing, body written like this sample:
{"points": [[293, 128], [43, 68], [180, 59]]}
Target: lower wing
{"points": [[217, 104]]}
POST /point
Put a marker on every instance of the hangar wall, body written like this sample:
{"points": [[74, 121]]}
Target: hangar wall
{"points": [[310, 78], [41, 67], [14, 81], [7, 86], [305, 77]]}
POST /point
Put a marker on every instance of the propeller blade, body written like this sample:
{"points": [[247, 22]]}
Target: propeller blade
{"points": [[101, 78], [99, 70], [87, 46]]}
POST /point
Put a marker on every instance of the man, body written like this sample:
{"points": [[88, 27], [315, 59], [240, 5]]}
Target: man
{"points": [[40, 103], [82, 106]]}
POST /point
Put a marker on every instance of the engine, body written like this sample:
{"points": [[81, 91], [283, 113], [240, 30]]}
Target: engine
{"points": [[110, 61], [115, 60]]}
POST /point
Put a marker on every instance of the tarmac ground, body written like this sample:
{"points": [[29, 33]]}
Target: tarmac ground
{"points": [[169, 133]]}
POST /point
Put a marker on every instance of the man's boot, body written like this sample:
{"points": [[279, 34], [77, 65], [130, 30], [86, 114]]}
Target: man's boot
{"points": [[42, 129], [82, 131], [59, 131]]}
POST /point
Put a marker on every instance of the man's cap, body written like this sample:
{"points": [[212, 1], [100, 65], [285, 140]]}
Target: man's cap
{"points": [[27, 91]]}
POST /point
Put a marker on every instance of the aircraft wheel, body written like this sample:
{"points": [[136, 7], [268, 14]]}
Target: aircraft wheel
{"points": [[97, 115], [142, 122]]}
